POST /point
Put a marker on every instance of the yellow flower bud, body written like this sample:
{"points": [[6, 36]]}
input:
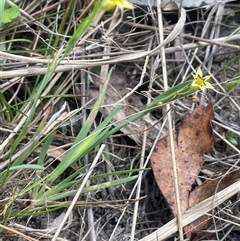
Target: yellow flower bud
{"points": [[111, 4]]}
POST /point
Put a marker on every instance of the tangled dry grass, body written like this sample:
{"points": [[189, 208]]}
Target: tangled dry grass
{"points": [[150, 50]]}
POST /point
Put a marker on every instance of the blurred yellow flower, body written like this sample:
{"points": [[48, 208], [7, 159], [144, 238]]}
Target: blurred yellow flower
{"points": [[111, 4], [201, 82]]}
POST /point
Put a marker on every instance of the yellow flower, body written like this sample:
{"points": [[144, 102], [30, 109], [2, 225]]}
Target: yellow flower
{"points": [[201, 82], [111, 4]]}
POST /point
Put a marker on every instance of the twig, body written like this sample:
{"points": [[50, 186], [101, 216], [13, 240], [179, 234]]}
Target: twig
{"points": [[216, 41], [139, 178], [68, 65], [78, 192], [170, 128], [194, 213], [135, 213], [227, 142], [17, 233]]}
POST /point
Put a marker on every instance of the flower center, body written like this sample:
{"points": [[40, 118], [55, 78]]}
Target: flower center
{"points": [[199, 81]]}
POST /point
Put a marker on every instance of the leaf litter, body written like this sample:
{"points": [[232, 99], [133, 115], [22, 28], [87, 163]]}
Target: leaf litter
{"points": [[192, 140], [228, 113], [219, 181], [116, 91]]}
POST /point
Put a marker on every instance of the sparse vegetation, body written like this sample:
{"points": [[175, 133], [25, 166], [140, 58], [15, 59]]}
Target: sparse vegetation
{"points": [[75, 140]]}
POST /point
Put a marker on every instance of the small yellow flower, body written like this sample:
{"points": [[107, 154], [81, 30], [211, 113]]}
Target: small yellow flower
{"points": [[201, 82], [111, 4]]}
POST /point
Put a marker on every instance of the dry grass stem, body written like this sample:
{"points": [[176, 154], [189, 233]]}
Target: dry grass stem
{"points": [[194, 213], [63, 158]]}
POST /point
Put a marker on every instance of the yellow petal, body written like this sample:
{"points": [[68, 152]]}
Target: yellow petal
{"points": [[111, 4], [108, 5], [194, 76], [206, 78], [125, 4], [194, 86], [199, 72], [208, 85]]}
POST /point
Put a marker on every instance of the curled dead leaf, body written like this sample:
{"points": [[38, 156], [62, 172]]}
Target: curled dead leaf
{"points": [[193, 138]]}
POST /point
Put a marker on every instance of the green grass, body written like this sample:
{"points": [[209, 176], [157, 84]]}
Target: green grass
{"points": [[48, 186]]}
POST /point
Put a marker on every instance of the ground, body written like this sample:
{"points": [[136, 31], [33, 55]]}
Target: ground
{"points": [[110, 212]]}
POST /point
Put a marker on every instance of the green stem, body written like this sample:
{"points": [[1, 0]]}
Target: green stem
{"points": [[174, 93], [73, 154], [64, 19], [82, 28]]}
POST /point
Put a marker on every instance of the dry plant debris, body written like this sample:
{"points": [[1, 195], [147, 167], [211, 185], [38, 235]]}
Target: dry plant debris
{"points": [[219, 181], [191, 141], [117, 90], [209, 38]]}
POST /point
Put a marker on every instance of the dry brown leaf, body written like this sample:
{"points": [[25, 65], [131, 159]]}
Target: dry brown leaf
{"points": [[218, 182], [56, 152], [118, 88], [191, 141]]}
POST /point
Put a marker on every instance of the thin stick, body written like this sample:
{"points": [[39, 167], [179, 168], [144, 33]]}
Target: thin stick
{"points": [[194, 213], [78, 193], [79, 64], [138, 180], [170, 128], [17, 233], [135, 213]]}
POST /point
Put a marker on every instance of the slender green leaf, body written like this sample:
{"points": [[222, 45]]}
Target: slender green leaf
{"points": [[109, 184], [83, 144], [41, 159], [61, 186], [82, 28], [93, 188], [26, 166], [232, 84]]}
